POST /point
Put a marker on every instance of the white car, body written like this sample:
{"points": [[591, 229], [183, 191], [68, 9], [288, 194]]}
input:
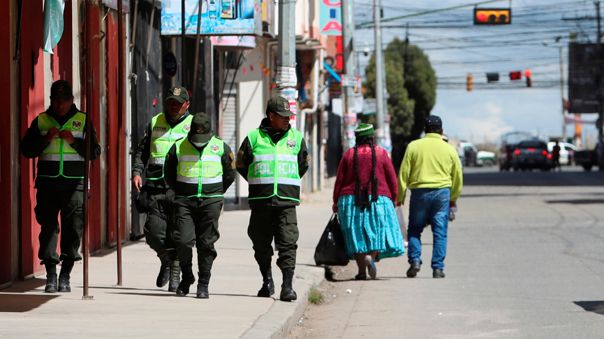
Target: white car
{"points": [[567, 152]]}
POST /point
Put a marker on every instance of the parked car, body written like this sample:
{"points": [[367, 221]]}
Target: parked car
{"points": [[587, 158], [532, 154], [508, 144], [567, 152], [485, 158]]}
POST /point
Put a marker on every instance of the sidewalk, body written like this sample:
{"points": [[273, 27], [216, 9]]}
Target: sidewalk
{"points": [[139, 309]]}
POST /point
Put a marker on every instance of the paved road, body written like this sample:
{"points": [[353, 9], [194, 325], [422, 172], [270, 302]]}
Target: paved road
{"points": [[525, 260]]}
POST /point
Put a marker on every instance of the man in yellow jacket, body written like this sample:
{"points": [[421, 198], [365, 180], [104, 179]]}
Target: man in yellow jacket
{"points": [[432, 171]]}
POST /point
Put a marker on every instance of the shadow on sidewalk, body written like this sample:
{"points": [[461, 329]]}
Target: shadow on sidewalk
{"points": [[595, 306], [25, 286], [20, 303]]}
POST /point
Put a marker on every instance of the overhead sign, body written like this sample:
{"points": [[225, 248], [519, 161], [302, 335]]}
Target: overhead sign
{"points": [[330, 18], [218, 17], [585, 78]]}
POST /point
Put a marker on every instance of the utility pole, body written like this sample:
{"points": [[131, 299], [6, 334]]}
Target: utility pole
{"points": [[562, 94], [379, 72], [286, 70], [600, 120], [349, 113]]}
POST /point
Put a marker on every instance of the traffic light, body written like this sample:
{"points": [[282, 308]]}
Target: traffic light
{"points": [[469, 82], [527, 75], [492, 77], [516, 75], [492, 16]]}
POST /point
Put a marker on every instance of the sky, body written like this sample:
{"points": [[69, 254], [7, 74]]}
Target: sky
{"points": [[456, 47]]}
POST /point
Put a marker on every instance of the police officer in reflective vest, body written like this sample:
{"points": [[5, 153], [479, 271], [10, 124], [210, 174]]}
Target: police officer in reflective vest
{"points": [[200, 168], [273, 158], [56, 138], [155, 198]]}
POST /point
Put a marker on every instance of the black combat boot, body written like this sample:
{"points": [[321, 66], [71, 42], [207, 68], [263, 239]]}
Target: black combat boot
{"points": [[202, 285], [66, 268], [174, 276], [287, 291], [187, 280], [51, 279], [164, 271], [268, 286]]}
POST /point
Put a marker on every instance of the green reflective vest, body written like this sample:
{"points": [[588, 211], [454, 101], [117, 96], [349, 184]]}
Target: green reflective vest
{"points": [[59, 159], [162, 138], [199, 174], [274, 169]]}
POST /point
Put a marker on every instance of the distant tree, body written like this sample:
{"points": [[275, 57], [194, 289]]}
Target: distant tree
{"points": [[411, 84]]}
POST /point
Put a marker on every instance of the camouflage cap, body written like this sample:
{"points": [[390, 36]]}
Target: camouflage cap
{"points": [[201, 128], [279, 105], [179, 94]]}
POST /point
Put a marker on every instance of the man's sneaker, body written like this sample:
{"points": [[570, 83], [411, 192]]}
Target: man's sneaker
{"points": [[413, 269], [438, 273]]}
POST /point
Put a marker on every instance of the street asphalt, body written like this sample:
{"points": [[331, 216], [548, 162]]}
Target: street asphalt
{"points": [[525, 260]]}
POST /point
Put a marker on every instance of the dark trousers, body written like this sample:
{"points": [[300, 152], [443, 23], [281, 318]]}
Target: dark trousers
{"points": [[278, 223], [196, 224], [158, 225], [50, 202]]}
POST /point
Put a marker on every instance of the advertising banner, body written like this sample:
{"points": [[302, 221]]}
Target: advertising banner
{"points": [[585, 77], [218, 17], [330, 18]]}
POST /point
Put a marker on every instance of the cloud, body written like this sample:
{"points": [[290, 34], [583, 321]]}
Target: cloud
{"points": [[485, 124]]}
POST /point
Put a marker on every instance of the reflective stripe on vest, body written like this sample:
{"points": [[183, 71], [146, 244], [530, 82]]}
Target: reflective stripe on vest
{"points": [[199, 174], [59, 159], [274, 170], [163, 137]]}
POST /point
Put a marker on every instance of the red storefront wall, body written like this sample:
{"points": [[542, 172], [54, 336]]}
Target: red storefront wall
{"points": [[5, 143], [116, 212], [31, 77]]}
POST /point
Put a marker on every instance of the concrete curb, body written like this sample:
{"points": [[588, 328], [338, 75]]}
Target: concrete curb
{"points": [[282, 316]]}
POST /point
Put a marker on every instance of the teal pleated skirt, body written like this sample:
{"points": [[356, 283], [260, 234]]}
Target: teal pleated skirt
{"points": [[375, 228]]}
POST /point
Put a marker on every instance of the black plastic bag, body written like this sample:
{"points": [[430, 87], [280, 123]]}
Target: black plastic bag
{"points": [[331, 249], [141, 201]]}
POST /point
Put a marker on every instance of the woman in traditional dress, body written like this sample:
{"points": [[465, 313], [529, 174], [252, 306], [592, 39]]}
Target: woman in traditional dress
{"points": [[364, 197]]}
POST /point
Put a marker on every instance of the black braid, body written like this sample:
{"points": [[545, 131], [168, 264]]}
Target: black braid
{"points": [[357, 180], [362, 193], [374, 180]]}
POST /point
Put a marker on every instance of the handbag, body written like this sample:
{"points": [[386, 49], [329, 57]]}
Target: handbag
{"points": [[331, 249]]}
